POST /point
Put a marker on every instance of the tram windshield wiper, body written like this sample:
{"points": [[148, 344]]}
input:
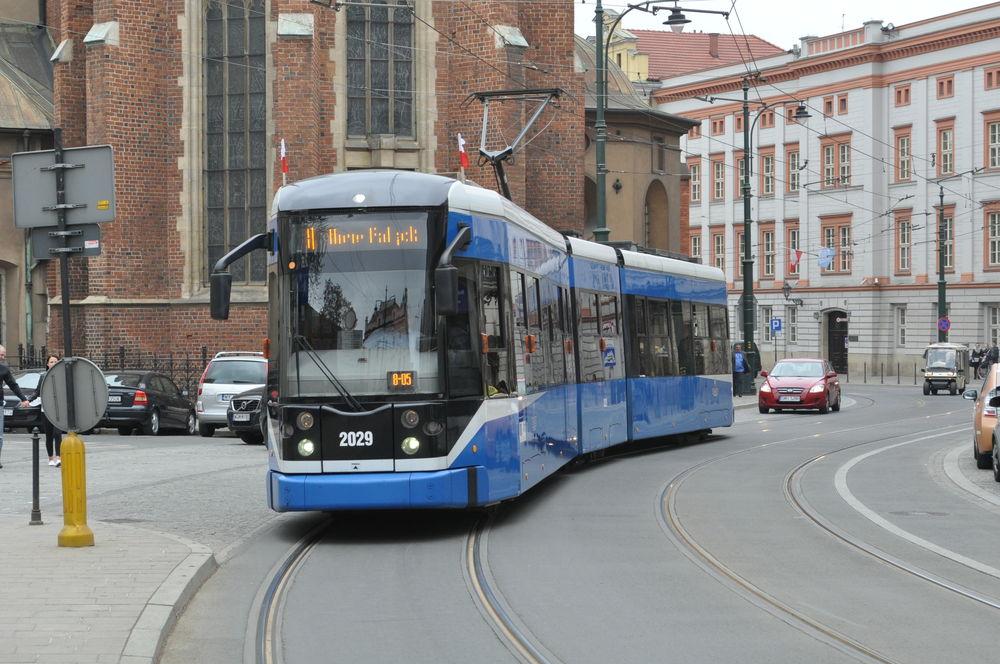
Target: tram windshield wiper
{"points": [[304, 344]]}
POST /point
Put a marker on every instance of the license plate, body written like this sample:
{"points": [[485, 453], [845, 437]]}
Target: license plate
{"points": [[788, 399], [241, 417], [7, 412], [225, 397], [114, 398]]}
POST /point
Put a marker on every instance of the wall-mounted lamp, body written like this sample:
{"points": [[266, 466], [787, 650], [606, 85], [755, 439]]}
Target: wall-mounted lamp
{"points": [[617, 186]]}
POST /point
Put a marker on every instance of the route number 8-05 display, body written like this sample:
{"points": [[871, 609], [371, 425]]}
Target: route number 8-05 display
{"points": [[401, 381], [356, 439]]}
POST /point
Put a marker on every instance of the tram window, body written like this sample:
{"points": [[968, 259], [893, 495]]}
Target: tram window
{"points": [[557, 352], [683, 334], [719, 359], [662, 348], [638, 357], [496, 360], [611, 334], [588, 335], [535, 365], [517, 297]]}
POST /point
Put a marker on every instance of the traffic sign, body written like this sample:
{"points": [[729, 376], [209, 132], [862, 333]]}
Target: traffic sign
{"points": [[944, 324], [776, 325], [89, 185], [84, 240], [90, 394]]}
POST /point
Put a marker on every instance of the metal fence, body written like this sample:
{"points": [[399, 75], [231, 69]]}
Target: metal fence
{"points": [[183, 368]]}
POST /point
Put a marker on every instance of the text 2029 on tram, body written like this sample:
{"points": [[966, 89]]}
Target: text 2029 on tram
{"points": [[432, 345]]}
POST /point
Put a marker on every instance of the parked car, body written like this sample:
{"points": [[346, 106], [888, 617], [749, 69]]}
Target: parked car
{"points": [[994, 403], [984, 417], [29, 380], [228, 373], [243, 416], [148, 401], [947, 366], [800, 383]]}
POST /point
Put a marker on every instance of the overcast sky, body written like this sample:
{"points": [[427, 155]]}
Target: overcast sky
{"points": [[780, 22]]}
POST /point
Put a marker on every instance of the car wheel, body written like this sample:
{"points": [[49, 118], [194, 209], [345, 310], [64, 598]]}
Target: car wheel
{"points": [[927, 388], [953, 389], [763, 409], [192, 425], [251, 438], [836, 407], [983, 461], [125, 431], [825, 408], [996, 462], [152, 427], [205, 430]]}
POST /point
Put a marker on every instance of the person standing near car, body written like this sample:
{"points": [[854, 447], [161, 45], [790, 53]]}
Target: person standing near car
{"points": [[52, 434], [741, 367], [975, 359], [7, 377]]}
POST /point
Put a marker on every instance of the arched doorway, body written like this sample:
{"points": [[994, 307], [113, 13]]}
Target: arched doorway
{"points": [[656, 218], [836, 339]]}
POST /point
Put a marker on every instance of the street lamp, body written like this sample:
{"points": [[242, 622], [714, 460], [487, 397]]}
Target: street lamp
{"points": [[942, 305], [676, 22], [800, 114]]}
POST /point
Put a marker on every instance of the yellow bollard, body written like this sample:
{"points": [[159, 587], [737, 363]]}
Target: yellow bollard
{"points": [[75, 532]]}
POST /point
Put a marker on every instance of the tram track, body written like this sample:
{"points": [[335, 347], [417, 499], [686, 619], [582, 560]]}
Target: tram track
{"points": [[689, 546]]}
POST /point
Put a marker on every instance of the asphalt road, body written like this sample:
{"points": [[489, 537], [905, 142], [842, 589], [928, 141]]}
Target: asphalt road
{"points": [[770, 542]]}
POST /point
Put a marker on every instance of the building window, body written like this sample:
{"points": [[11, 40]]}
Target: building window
{"points": [[836, 161], [828, 106], [792, 242], [946, 147], [236, 162], [844, 164], [791, 324], [991, 79], [696, 247], [846, 251], [719, 250], [765, 321], [767, 119], [902, 93], [903, 154], [767, 244], [741, 173], [718, 180], [718, 126], [836, 234], [794, 169], [841, 104], [695, 181], [993, 140], [767, 174], [993, 316], [945, 86], [904, 243], [741, 246], [790, 114], [380, 70], [738, 122], [946, 236], [901, 325], [695, 131], [993, 238]]}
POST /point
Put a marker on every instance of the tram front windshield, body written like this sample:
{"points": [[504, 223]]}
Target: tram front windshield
{"points": [[360, 306]]}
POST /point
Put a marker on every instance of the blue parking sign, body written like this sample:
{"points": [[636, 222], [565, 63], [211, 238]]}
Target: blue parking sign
{"points": [[776, 325]]}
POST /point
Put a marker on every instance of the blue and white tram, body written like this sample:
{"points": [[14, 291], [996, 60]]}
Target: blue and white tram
{"points": [[432, 345]]}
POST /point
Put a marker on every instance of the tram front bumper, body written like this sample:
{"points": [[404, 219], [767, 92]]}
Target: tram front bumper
{"points": [[453, 488]]}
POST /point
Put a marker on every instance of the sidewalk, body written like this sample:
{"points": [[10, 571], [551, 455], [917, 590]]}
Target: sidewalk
{"points": [[112, 602]]}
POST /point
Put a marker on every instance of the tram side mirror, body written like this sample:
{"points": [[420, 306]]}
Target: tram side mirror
{"points": [[221, 284], [445, 290]]}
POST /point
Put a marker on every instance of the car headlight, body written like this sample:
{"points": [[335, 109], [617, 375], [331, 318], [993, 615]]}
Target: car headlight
{"points": [[817, 388], [765, 387]]}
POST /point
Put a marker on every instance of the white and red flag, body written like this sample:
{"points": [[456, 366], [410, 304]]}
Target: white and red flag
{"points": [[463, 156], [795, 257], [284, 159]]}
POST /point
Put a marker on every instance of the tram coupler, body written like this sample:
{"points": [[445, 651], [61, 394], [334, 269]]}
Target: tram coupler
{"points": [[75, 530]]}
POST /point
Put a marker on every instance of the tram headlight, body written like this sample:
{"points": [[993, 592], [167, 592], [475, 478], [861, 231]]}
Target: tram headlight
{"points": [[410, 445], [306, 447], [410, 419], [305, 420], [433, 427]]}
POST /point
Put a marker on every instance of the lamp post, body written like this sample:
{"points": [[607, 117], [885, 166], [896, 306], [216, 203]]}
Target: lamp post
{"points": [[942, 285], [800, 114], [676, 22]]}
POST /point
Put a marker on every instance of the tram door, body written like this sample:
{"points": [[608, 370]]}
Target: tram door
{"points": [[836, 337]]}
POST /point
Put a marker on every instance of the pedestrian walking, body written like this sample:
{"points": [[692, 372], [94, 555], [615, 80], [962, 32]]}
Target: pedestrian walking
{"points": [[975, 359], [741, 367], [53, 436], [991, 357], [6, 377]]}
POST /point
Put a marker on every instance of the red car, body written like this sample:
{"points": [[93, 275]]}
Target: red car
{"points": [[800, 383]]}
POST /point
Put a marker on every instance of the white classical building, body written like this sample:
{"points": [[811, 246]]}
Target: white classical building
{"points": [[900, 116]]}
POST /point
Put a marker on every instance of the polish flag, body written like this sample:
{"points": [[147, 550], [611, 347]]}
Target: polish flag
{"points": [[284, 160], [463, 156], [796, 257]]}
